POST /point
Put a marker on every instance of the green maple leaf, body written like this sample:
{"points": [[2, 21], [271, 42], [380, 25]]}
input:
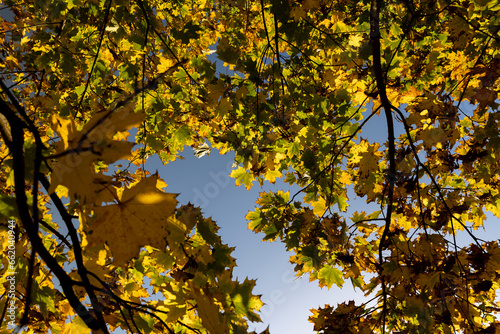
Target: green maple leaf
{"points": [[242, 177], [329, 276], [245, 303]]}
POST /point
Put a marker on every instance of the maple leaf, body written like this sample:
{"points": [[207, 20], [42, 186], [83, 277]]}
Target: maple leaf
{"points": [[208, 311], [143, 216], [242, 177], [76, 326], [366, 156], [244, 302], [95, 262], [329, 275], [76, 172], [74, 169]]}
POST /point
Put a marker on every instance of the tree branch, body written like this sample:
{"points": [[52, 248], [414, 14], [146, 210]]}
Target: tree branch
{"points": [[379, 77]]}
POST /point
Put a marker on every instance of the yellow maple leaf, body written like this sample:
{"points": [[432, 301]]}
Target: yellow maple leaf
{"points": [[95, 262], [76, 172], [107, 124], [79, 149], [271, 175], [165, 64], [143, 216], [12, 62], [76, 326], [66, 127], [319, 206], [366, 156], [208, 311], [355, 40], [345, 178]]}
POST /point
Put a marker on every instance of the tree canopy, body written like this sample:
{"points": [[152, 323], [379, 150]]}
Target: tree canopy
{"points": [[303, 79]]}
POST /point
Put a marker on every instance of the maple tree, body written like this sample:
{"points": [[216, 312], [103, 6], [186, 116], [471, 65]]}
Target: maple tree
{"points": [[306, 77]]}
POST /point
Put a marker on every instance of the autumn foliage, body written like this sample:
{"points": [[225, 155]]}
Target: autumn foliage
{"points": [[303, 79]]}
